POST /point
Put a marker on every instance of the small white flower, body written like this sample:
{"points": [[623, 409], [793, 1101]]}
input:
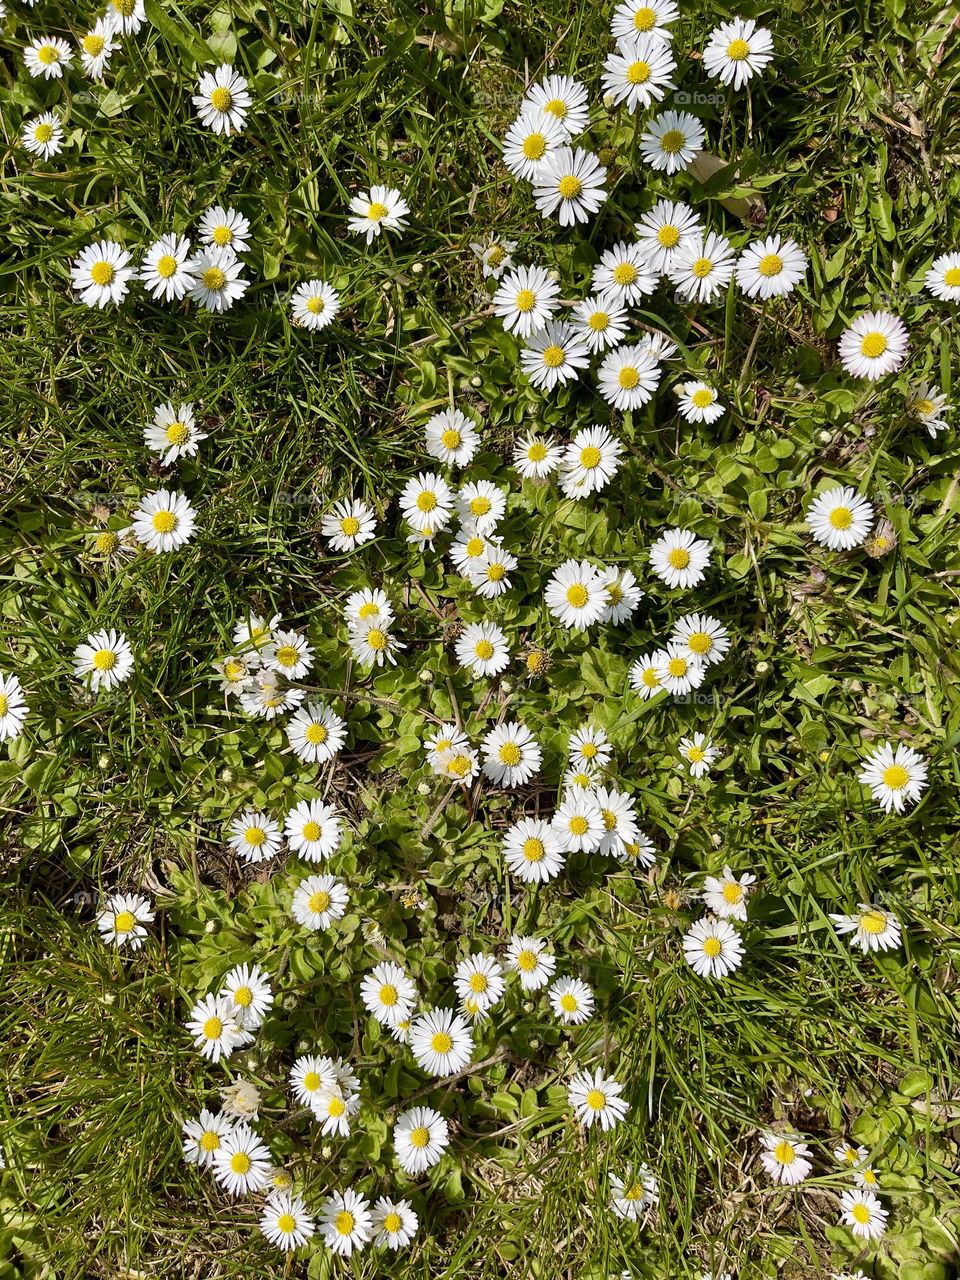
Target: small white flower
{"points": [[242, 1162], [482, 648], [633, 1198], [897, 776], [784, 1157], [318, 901], [771, 267], [218, 282], [427, 502], [345, 1222], [46, 57], [873, 345], [511, 755], [679, 558], [623, 276], [570, 184], [576, 594], [703, 636], [589, 747], [165, 270], [532, 138], [712, 948], [640, 71], [644, 674], [554, 355], [164, 521], [452, 438], [671, 141], [726, 895], [619, 820], [578, 822], [635, 18], [105, 657], [441, 1041], [863, 1213], [222, 228], [531, 961], [623, 596], [202, 1137], [222, 100], [490, 575], [600, 321], [702, 268], [736, 51], [215, 1031], [840, 519], [97, 47], [388, 993], [377, 210], [248, 987], [595, 1098], [394, 1223], [43, 135], [666, 230], [125, 17], [929, 406], [285, 1221], [13, 707], [571, 1000], [255, 836], [873, 928], [495, 256], [349, 524], [479, 980], [533, 851], [628, 377], [316, 733], [314, 304], [101, 274], [590, 461], [122, 918], [420, 1138], [697, 752], [536, 456], [943, 277], [699, 402], [173, 433], [526, 300], [564, 99]]}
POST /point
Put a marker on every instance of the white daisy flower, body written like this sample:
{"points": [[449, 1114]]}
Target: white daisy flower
{"points": [[368, 605], [771, 268], [644, 17], [314, 304], [441, 1041], [595, 1099], [13, 707], [254, 633], [254, 836], [583, 776], [462, 765], [394, 1223], [679, 671], [165, 270], [679, 558], [289, 653], [122, 918], [644, 674], [388, 993], [850, 1155], [379, 209], [318, 901], [703, 637], [578, 822], [571, 1000], [349, 524], [43, 135], [447, 738], [222, 228], [101, 274], [481, 505], [533, 137], [554, 355], [285, 1221], [640, 71], [46, 57], [863, 1213], [241, 1100], [702, 268], [590, 461], [125, 17], [712, 948], [873, 928], [469, 547], [526, 299], [576, 594], [570, 183], [943, 277], [658, 345], [619, 820], [622, 276], [897, 776], [536, 457], [874, 345], [164, 521], [927, 405], [639, 852], [699, 402], [511, 755], [496, 256], [222, 100], [242, 1162], [105, 657], [784, 1157], [334, 1110], [173, 433], [530, 960], [668, 229], [218, 283], [427, 502], [867, 1179], [628, 377], [313, 830], [267, 698], [840, 519], [312, 1077], [631, 1199], [479, 979], [533, 851], [589, 747], [316, 733], [698, 753], [623, 596], [491, 576], [373, 644], [482, 648], [564, 99], [215, 1030], [726, 895], [345, 1224], [451, 438], [248, 987], [97, 47], [736, 51], [671, 141], [202, 1138], [600, 322]]}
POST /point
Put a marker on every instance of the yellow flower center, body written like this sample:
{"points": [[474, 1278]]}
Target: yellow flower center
{"points": [[377, 639], [166, 267], [638, 73], [510, 754], [311, 1082], [577, 595], [420, 1137], [624, 273], [315, 305], [288, 655], [634, 1192], [699, 642], [441, 1042], [178, 432], [213, 1029], [459, 766], [952, 277], [474, 547], [569, 186], [588, 750], [43, 132], [644, 19], [596, 1100], [895, 776], [350, 526], [712, 947], [48, 54], [164, 521], [615, 593], [668, 236], [579, 826], [481, 505], [677, 667], [451, 439], [770, 265], [628, 377], [214, 278], [255, 836], [526, 961], [702, 268], [732, 893], [368, 610], [336, 1107], [557, 107], [495, 255], [93, 44], [553, 357], [221, 99], [694, 754], [124, 922], [568, 1003], [316, 734], [873, 345], [861, 1213], [478, 983], [784, 1153], [678, 558], [702, 399], [101, 273], [609, 819], [286, 1223], [599, 321], [590, 457], [869, 1177], [243, 996], [873, 922], [537, 452], [649, 678], [210, 1141], [526, 300], [841, 517], [377, 211], [222, 236], [240, 1162], [426, 501], [104, 660], [672, 142], [737, 50], [319, 902], [923, 407], [534, 145], [343, 1223], [388, 995], [4, 704], [106, 542], [533, 850], [483, 650], [392, 1223]]}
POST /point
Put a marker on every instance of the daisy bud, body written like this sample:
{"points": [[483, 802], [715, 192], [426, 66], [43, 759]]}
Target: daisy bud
{"points": [[417, 268], [762, 668], [212, 926], [423, 788], [825, 436], [426, 676], [476, 381], [226, 775], [289, 1002], [103, 761]]}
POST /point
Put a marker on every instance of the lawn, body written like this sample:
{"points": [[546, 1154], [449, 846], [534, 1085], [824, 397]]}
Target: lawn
{"points": [[845, 144]]}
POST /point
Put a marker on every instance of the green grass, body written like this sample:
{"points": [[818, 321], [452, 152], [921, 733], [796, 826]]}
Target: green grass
{"points": [[849, 144]]}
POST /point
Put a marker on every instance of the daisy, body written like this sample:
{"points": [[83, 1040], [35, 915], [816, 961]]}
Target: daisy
{"points": [[658, 345], [644, 17], [173, 433], [897, 776], [639, 852], [241, 1100], [866, 1178], [482, 648], [202, 1138], [379, 209], [334, 1110], [101, 274], [726, 895], [268, 698], [165, 271], [449, 737], [312, 1077], [511, 755], [491, 576], [388, 993], [595, 1098], [345, 1222], [584, 776], [619, 820], [479, 979], [225, 229], [671, 141], [481, 505], [47, 57], [712, 948], [784, 1158], [368, 605], [576, 595], [699, 402], [665, 231], [289, 653], [349, 524], [316, 733], [628, 377], [840, 519], [495, 256], [452, 438], [469, 547], [427, 501], [536, 456], [533, 137], [222, 100], [218, 282], [640, 71], [248, 987], [703, 637], [125, 17], [420, 1138], [394, 1222], [679, 558], [254, 836], [644, 674], [530, 960], [632, 1198], [622, 275], [13, 707], [526, 300], [164, 521], [850, 1155], [736, 51], [571, 1000], [589, 747], [570, 183], [43, 135], [590, 461], [214, 1028], [623, 596], [122, 919], [564, 99], [312, 830], [702, 268], [927, 406], [600, 322], [873, 928], [555, 354], [285, 1221], [441, 1042], [578, 822], [771, 268], [943, 278], [679, 672], [314, 304], [242, 1162], [462, 765], [863, 1213], [533, 851], [105, 657], [373, 644], [318, 901], [254, 633], [97, 47], [875, 344]]}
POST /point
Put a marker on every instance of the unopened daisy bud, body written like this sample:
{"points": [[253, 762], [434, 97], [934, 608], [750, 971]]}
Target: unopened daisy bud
{"points": [[212, 926], [326, 1151], [423, 788], [417, 268], [762, 668], [476, 381], [103, 761], [506, 686], [606, 156], [426, 676], [824, 436]]}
